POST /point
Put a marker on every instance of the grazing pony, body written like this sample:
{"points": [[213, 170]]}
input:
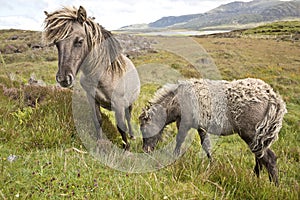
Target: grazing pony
{"points": [[108, 77], [248, 107]]}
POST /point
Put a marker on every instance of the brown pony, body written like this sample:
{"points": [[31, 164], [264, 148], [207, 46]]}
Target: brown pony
{"points": [[108, 77]]}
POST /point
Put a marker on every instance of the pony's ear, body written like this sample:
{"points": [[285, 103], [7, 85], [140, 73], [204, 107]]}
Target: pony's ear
{"points": [[46, 13], [81, 15]]}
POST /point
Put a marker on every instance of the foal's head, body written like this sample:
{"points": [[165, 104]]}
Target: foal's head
{"points": [[65, 28], [152, 123]]}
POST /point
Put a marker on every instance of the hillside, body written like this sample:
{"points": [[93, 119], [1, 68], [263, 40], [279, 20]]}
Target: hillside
{"points": [[233, 14], [172, 20]]}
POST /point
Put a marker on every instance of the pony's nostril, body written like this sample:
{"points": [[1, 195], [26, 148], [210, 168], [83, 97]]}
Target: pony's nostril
{"points": [[65, 81], [59, 78], [70, 78]]}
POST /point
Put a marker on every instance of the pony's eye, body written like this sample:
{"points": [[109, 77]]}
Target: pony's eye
{"points": [[78, 43]]}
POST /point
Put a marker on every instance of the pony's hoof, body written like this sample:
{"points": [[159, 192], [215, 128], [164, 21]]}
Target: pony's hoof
{"points": [[176, 152], [132, 137], [126, 147]]}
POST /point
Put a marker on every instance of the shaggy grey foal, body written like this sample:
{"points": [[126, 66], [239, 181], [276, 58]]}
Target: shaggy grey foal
{"points": [[248, 107]]}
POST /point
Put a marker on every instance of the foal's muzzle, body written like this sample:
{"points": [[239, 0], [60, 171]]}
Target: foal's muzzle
{"points": [[65, 81]]}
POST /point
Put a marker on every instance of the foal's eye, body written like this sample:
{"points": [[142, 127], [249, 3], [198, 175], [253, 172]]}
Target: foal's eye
{"points": [[147, 119], [78, 42]]}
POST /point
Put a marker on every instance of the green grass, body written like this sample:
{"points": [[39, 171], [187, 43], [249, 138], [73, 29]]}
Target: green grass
{"points": [[53, 163], [277, 28], [282, 30]]}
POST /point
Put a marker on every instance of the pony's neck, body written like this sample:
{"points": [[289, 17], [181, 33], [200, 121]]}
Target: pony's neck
{"points": [[92, 67], [172, 116], [173, 110], [105, 55]]}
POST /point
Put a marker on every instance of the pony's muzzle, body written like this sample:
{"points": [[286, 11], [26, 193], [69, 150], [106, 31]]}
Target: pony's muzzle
{"points": [[65, 81]]}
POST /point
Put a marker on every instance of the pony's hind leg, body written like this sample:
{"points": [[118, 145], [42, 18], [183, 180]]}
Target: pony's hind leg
{"points": [[269, 160], [205, 142], [258, 166], [248, 136], [128, 119]]}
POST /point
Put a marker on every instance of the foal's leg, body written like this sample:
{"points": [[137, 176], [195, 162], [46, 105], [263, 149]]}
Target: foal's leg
{"points": [[269, 161], [258, 166], [205, 142], [122, 128], [248, 136], [128, 118], [182, 133]]}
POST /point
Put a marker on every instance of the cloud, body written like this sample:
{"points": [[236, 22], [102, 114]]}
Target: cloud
{"points": [[20, 14], [112, 14], [20, 22]]}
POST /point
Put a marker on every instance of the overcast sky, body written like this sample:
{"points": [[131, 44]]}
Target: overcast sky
{"points": [[112, 14]]}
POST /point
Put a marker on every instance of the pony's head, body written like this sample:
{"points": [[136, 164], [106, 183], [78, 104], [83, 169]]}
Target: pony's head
{"points": [[152, 122], [68, 30]]}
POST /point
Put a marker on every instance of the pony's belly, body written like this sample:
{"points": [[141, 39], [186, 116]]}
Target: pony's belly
{"points": [[222, 128], [106, 105], [221, 131], [103, 99], [228, 131]]}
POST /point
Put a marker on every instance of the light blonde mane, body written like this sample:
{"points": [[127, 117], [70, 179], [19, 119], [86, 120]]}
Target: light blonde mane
{"points": [[104, 48]]}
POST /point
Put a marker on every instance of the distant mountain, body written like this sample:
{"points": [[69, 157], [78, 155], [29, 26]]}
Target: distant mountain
{"points": [[172, 20], [233, 14]]}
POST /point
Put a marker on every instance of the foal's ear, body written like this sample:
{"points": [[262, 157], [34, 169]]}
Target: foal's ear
{"points": [[81, 15]]}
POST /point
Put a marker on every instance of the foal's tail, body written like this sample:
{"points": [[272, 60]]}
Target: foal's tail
{"points": [[267, 130]]}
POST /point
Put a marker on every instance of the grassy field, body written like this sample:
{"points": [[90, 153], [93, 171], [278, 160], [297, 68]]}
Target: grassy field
{"points": [[276, 28], [37, 126]]}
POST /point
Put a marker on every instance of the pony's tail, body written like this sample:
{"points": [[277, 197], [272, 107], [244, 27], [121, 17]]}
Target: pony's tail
{"points": [[267, 130]]}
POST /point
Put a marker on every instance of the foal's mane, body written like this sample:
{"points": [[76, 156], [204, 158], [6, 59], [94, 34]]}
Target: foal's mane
{"points": [[58, 26], [166, 92]]}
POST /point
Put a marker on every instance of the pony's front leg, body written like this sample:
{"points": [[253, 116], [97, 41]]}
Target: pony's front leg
{"points": [[121, 125], [182, 133], [128, 118], [205, 142], [97, 118]]}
